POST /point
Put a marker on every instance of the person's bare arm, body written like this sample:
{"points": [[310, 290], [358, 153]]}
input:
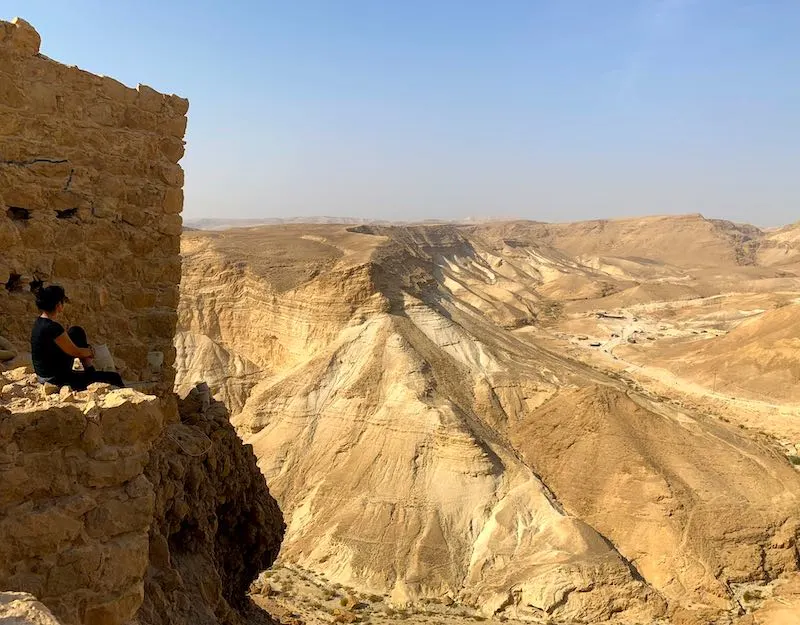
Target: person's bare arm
{"points": [[68, 347]]}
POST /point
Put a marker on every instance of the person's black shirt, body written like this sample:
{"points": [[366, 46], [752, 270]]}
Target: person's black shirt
{"points": [[49, 360]]}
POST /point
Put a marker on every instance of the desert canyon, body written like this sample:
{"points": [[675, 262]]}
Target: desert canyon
{"points": [[549, 422], [335, 422]]}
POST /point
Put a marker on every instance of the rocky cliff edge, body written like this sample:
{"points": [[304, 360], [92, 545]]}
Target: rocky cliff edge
{"points": [[115, 505]]}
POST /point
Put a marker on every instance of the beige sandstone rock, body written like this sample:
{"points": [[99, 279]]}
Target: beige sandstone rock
{"points": [[88, 502], [65, 514], [23, 37], [19, 608]]}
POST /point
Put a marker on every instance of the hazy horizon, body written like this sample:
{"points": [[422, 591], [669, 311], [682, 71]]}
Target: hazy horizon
{"points": [[551, 111], [333, 219]]}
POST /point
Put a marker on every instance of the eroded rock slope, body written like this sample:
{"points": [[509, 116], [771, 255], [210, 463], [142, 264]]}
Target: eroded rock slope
{"points": [[419, 445], [215, 526]]}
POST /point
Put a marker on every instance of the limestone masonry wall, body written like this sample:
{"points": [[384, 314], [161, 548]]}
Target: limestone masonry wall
{"points": [[75, 505], [90, 198]]}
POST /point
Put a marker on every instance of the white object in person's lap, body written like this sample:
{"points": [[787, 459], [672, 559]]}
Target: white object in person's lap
{"points": [[103, 361]]}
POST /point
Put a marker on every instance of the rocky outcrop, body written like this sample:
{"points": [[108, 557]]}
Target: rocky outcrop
{"points": [[104, 513], [692, 505], [215, 525], [75, 505], [20, 608], [781, 248], [107, 501]]}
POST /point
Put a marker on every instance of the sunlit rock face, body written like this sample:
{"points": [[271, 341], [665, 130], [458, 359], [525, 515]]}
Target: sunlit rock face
{"points": [[423, 442]]}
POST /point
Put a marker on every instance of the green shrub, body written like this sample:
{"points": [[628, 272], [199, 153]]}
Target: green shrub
{"points": [[795, 460]]}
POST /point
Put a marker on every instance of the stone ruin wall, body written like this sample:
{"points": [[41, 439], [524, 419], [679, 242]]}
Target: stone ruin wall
{"points": [[75, 504], [90, 198]]}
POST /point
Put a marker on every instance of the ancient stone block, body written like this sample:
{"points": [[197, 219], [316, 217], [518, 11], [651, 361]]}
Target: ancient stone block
{"points": [[172, 225], [173, 201], [119, 517], [30, 532], [22, 608], [102, 473], [115, 90], [10, 95], [117, 610], [50, 429], [24, 39], [77, 568], [172, 175], [172, 148], [149, 99], [129, 422]]}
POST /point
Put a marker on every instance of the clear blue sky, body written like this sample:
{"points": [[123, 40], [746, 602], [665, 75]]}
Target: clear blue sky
{"points": [[411, 109]]}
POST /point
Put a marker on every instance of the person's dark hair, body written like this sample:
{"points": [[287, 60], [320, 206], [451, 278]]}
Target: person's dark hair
{"points": [[48, 297]]}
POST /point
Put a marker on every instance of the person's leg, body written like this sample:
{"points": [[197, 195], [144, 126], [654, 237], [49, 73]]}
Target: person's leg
{"points": [[76, 380], [78, 336], [109, 377]]}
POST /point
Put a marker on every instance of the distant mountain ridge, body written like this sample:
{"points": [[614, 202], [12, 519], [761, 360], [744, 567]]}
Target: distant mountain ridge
{"points": [[210, 223]]}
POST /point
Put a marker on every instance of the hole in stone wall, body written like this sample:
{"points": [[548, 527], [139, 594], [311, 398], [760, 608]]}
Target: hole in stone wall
{"points": [[36, 285], [66, 213], [14, 282], [18, 214]]}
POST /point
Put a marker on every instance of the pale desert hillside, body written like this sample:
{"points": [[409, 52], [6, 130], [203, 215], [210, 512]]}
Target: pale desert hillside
{"points": [[445, 413]]}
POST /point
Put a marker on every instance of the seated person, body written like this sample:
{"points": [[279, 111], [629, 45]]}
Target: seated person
{"points": [[54, 351]]}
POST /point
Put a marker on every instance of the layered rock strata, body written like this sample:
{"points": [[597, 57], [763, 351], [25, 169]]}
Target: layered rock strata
{"points": [[423, 443]]}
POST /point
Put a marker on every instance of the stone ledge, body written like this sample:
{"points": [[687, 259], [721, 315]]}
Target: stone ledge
{"points": [[21, 608], [75, 505]]}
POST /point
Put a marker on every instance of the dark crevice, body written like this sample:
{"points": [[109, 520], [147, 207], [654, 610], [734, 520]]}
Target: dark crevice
{"points": [[14, 283], [66, 213], [69, 180], [36, 284], [17, 213], [33, 161]]}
